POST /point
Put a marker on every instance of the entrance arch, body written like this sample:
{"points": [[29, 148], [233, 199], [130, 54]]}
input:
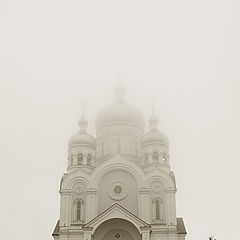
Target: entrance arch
{"points": [[116, 229]]}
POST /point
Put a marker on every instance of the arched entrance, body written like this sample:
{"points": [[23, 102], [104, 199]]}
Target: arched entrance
{"points": [[116, 229]]}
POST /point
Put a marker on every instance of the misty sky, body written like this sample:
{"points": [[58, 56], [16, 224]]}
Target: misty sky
{"points": [[55, 53]]}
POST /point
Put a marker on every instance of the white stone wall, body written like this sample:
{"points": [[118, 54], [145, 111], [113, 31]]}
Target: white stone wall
{"points": [[106, 195]]}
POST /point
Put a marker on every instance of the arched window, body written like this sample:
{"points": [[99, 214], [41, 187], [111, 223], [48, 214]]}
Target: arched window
{"points": [[158, 210], [89, 158], [164, 157], [155, 157], [78, 210], [79, 158]]}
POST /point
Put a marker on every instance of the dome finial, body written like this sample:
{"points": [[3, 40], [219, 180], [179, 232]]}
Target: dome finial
{"points": [[120, 88], [83, 121], [153, 100], [153, 120]]}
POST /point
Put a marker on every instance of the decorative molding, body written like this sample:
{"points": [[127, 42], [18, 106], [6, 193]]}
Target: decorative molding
{"points": [[118, 190], [144, 191], [91, 191], [65, 192]]}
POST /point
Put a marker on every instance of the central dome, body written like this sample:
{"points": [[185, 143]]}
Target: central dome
{"points": [[120, 113]]}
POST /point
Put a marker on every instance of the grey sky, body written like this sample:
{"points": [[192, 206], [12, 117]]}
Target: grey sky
{"points": [[55, 53]]}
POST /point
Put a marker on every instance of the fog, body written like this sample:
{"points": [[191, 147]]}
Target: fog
{"points": [[55, 54]]}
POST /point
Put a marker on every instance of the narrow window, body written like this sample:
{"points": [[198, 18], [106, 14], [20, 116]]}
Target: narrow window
{"points": [[78, 210], [155, 157], [164, 157], [157, 208], [79, 158], [89, 158]]}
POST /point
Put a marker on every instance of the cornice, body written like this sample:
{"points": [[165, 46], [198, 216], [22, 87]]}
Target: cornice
{"points": [[65, 192]]}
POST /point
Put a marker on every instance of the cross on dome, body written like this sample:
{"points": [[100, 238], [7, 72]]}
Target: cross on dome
{"points": [[120, 91], [83, 122], [82, 137], [153, 120]]}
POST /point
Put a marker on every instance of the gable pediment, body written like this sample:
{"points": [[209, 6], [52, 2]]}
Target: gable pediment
{"points": [[113, 212]]}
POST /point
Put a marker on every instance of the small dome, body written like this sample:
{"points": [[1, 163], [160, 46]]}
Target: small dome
{"points": [[120, 113], [82, 139], [154, 136]]}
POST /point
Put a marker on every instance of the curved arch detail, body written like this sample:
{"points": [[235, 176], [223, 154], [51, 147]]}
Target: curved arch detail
{"points": [[121, 218], [114, 164], [163, 177], [73, 178]]}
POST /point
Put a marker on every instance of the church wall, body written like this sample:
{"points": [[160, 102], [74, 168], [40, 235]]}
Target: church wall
{"points": [[122, 144], [78, 194], [171, 208], [128, 198], [164, 236], [158, 214], [65, 207], [71, 236]]}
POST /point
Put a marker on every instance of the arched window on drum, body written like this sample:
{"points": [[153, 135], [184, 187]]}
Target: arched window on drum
{"points": [[158, 210], [155, 157], [89, 160], [78, 209], [79, 159]]}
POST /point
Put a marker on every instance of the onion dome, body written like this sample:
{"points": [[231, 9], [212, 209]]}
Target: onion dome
{"points": [[82, 137], [120, 113], [154, 135]]}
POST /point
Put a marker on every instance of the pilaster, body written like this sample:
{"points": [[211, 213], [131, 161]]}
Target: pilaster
{"points": [[144, 204], [64, 207], [91, 206]]}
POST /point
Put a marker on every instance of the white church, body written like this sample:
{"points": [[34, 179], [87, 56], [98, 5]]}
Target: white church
{"points": [[119, 185]]}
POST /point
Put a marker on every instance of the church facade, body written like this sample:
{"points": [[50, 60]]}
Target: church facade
{"points": [[119, 185]]}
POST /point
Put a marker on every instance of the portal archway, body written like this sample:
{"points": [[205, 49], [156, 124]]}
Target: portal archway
{"points": [[116, 229]]}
